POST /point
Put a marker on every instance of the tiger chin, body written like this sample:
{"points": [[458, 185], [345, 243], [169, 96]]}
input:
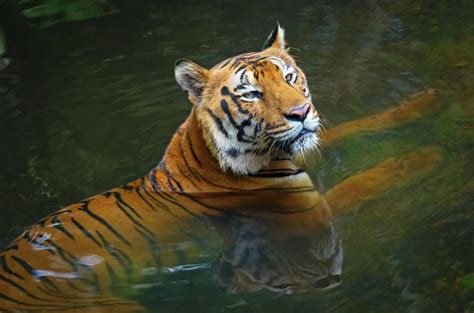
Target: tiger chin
{"points": [[253, 108]]}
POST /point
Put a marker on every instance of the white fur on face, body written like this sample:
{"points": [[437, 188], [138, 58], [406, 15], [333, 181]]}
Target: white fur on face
{"points": [[232, 156], [237, 155]]}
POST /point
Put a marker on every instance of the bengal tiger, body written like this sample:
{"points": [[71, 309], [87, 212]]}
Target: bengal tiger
{"points": [[230, 163]]}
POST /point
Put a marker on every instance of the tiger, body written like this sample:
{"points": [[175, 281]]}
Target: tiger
{"points": [[230, 164]]}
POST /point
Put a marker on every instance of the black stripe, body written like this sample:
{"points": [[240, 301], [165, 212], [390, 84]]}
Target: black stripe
{"points": [[50, 285], [85, 208], [6, 268], [55, 295], [236, 62], [260, 59], [66, 256], [184, 174], [169, 198], [125, 262], [27, 267], [162, 165], [19, 287], [277, 173], [152, 178], [191, 171], [288, 189], [241, 127], [225, 63], [218, 122], [126, 187], [257, 128], [32, 272], [11, 247], [133, 220], [225, 108], [112, 274], [242, 76], [192, 149], [217, 209], [225, 92], [43, 220], [241, 133], [205, 180], [239, 107], [5, 297], [130, 217], [59, 226], [137, 190], [94, 280], [188, 167], [170, 185], [119, 198], [74, 287], [243, 66], [158, 202], [152, 243], [122, 255], [85, 231], [72, 260]]}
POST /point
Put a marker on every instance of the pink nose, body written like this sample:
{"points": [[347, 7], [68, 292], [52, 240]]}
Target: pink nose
{"points": [[299, 114]]}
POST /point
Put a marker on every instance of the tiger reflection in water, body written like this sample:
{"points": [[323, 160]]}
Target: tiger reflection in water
{"points": [[231, 162], [259, 254]]}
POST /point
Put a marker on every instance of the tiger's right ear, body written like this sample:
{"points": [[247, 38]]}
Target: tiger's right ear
{"points": [[276, 38], [191, 77]]}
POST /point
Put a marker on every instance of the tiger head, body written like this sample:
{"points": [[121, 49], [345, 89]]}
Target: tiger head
{"points": [[252, 108]]}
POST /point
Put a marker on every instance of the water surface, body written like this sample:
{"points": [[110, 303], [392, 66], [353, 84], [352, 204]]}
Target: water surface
{"points": [[100, 103]]}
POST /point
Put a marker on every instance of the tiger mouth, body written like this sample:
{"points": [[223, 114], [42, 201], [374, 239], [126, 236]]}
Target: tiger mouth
{"points": [[302, 133], [288, 145]]}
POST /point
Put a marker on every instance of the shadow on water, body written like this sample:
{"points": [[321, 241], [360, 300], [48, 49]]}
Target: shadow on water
{"points": [[100, 105]]}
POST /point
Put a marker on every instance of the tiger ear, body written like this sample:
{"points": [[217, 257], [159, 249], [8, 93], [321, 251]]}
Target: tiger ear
{"points": [[191, 77], [276, 38]]}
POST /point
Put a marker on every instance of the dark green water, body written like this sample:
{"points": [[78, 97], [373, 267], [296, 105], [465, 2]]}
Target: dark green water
{"points": [[100, 103]]}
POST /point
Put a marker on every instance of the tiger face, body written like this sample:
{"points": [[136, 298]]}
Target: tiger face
{"points": [[252, 108]]}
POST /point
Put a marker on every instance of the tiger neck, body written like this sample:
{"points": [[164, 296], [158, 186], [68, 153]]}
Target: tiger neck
{"points": [[188, 166]]}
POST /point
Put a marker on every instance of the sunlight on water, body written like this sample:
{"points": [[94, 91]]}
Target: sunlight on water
{"points": [[186, 267]]}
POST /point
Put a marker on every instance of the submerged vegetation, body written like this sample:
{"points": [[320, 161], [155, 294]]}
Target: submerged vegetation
{"points": [[46, 13]]}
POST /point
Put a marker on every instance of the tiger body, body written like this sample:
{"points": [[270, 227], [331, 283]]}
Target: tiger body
{"points": [[221, 159], [83, 250], [251, 115]]}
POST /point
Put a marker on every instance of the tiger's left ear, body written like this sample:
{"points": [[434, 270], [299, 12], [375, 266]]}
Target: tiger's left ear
{"points": [[276, 38], [192, 78]]}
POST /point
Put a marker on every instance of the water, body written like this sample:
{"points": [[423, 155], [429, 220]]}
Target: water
{"points": [[100, 104]]}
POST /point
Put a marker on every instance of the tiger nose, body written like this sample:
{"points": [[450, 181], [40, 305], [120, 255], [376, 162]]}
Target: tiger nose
{"points": [[299, 114]]}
